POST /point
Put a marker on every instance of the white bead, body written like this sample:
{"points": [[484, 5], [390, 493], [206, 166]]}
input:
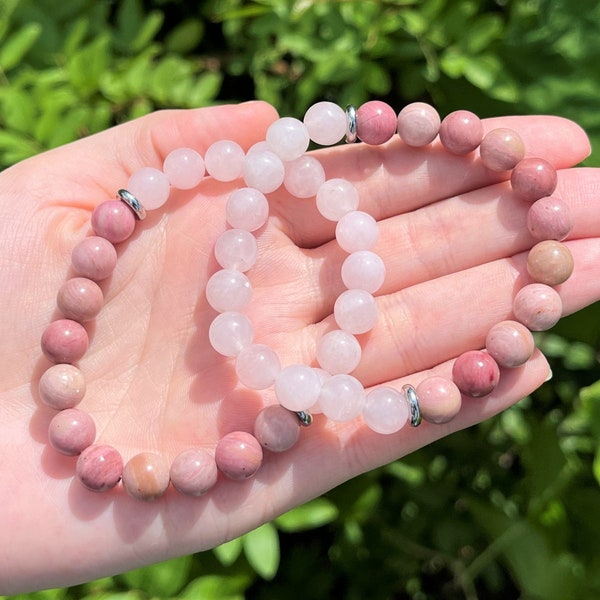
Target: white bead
{"points": [[236, 249], [288, 138], [297, 387], [342, 398], [230, 332], [228, 289], [323, 375], [355, 311], [247, 208], [184, 168], [363, 270], [263, 171], [303, 177], [326, 123], [224, 160], [338, 352], [386, 410], [335, 198], [356, 230], [257, 366], [150, 186]]}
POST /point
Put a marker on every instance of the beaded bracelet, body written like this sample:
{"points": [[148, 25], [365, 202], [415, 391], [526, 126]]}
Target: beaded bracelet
{"points": [[301, 390]]}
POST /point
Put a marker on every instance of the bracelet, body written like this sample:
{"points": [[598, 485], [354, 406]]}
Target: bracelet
{"points": [[327, 387]]}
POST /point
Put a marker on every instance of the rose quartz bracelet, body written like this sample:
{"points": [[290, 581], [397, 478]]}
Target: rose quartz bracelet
{"points": [[328, 386]]}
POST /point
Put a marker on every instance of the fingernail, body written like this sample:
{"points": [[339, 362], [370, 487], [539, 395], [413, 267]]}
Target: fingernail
{"points": [[549, 377]]}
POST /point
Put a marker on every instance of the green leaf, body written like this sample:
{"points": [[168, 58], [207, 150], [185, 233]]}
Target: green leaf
{"points": [[316, 513], [229, 552], [261, 548], [163, 579], [185, 36], [14, 49], [216, 587]]}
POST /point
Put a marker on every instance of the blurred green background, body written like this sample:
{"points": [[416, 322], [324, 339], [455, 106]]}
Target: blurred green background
{"points": [[506, 510]]}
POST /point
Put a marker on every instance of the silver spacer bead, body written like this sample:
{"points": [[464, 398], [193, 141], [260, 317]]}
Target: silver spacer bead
{"points": [[351, 124], [134, 204], [305, 418], [413, 404]]}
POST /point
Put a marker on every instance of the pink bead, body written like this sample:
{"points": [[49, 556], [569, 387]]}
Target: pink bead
{"points": [[224, 160], [376, 122], [71, 431], [355, 311], [342, 398], [439, 399], [64, 341], [247, 208], [335, 198], [288, 138], [475, 373], [418, 124], [238, 455], [228, 289], [263, 171], [363, 270], [533, 178], [461, 132], [184, 168], [385, 411], [303, 177], [236, 249], [501, 149], [297, 387], [99, 468], [150, 186], [257, 366], [194, 472], [537, 306], [510, 344], [338, 352], [549, 218], [550, 262], [276, 428], [230, 333], [356, 230], [80, 299], [113, 220], [94, 257], [326, 123], [146, 476], [62, 386]]}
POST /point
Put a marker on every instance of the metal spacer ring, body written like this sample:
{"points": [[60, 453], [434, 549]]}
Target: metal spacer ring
{"points": [[413, 404], [351, 124], [134, 204], [305, 418]]}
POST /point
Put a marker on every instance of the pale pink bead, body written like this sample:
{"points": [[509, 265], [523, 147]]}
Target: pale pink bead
{"points": [[356, 230], [475, 373], [94, 257], [335, 198], [224, 160], [71, 431], [113, 220], [461, 132], [288, 138], [538, 306], [263, 170], [338, 351], [342, 398], [376, 122], [323, 376], [418, 124], [257, 366], [228, 289], [184, 168], [386, 410], [146, 476], [193, 472], [236, 249], [303, 177], [550, 262], [247, 208], [62, 386], [439, 399], [510, 344], [99, 468], [238, 455], [276, 428], [80, 299], [150, 186], [363, 270], [355, 311], [297, 387], [533, 178], [501, 149], [326, 123], [230, 333], [261, 146], [64, 341], [549, 218]]}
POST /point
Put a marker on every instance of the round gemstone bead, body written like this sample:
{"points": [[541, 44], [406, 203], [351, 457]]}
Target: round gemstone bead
{"points": [[475, 373], [276, 428], [355, 311], [550, 262], [335, 198], [193, 472], [247, 208], [71, 431], [501, 149], [386, 410], [80, 299], [304, 176], [342, 398], [146, 476], [257, 366], [325, 123], [363, 270], [99, 468], [184, 168], [113, 220], [338, 351], [549, 218], [224, 160], [297, 387], [62, 386], [150, 186], [538, 306], [533, 178], [228, 289], [288, 138], [356, 230], [263, 170], [510, 344], [230, 332], [376, 122], [236, 249], [461, 132], [94, 257], [439, 399], [238, 455], [418, 124], [64, 341]]}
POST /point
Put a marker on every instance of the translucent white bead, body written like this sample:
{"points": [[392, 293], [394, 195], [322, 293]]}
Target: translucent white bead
{"points": [[356, 230], [184, 168], [342, 398], [263, 171], [297, 387], [150, 186], [363, 270], [288, 138], [230, 332], [257, 366], [224, 160], [386, 410], [303, 177], [261, 146], [326, 123], [338, 352], [236, 249], [355, 311], [335, 198], [228, 289], [247, 208], [323, 375]]}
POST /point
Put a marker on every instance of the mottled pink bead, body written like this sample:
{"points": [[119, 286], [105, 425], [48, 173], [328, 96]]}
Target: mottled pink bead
{"points": [[418, 124], [385, 410], [99, 468], [538, 306], [238, 455], [113, 220], [71, 431], [263, 170], [150, 186], [501, 149], [230, 333], [194, 472], [276, 428], [80, 299], [375, 122], [303, 177], [338, 351], [257, 366], [335, 198], [363, 270], [549, 218], [533, 178], [342, 398], [94, 257], [510, 344], [236, 249], [184, 168], [146, 476], [475, 373], [62, 386], [550, 262], [439, 399], [247, 208], [326, 123], [461, 132], [356, 230], [228, 289], [355, 311], [297, 387], [64, 341], [224, 160], [288, 138]]}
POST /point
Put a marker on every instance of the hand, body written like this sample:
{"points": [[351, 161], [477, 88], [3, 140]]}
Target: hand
{"points": [[454, 242]]}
